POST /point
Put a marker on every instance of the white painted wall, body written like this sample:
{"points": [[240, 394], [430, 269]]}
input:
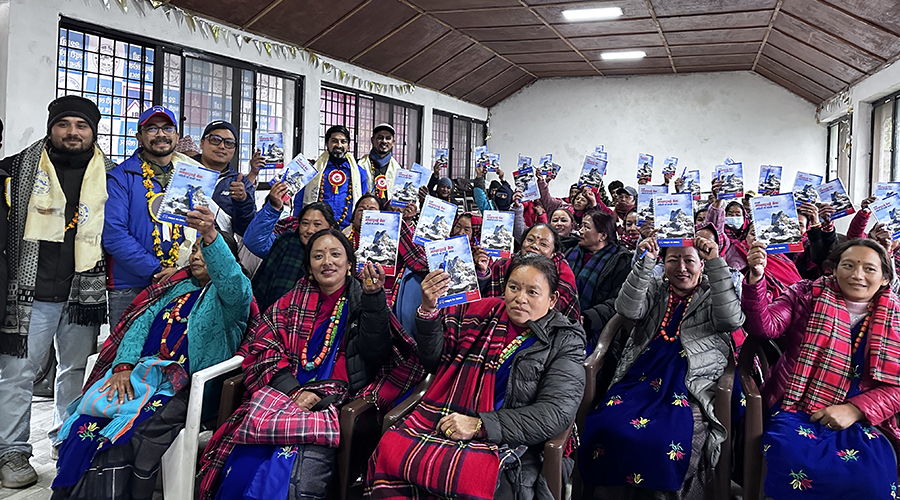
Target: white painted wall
{"points": [[700, 118], [28, 65]]}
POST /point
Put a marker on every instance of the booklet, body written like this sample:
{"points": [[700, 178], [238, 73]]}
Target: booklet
{"points": [[435, 221], [379, 239], [769, 180], [494, 159], [526, 182], [645, 167], [297, 174], [272, 146], [482, 159], [805, 187], [599, 150], [554, 171], [885, 189], [776, 224], [692, 183], [454, 256], [592, 171], [669, 165], [645, 201], [524, 161], [442, 157], [834, 194], [887, 211], [407, 184], [732, 177], [190, 186], [674, 219], [545, 165], [497, 233]]}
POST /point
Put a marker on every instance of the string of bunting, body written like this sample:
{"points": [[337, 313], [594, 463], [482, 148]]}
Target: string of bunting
{"points": [[224, 34]]}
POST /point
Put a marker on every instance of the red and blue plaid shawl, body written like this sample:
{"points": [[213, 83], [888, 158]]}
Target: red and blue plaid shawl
{"points": [[587, 274], [568, 296], [413, 460], [822, 373]]}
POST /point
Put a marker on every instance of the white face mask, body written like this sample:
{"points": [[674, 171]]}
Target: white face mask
{"points": [[735, 222]]}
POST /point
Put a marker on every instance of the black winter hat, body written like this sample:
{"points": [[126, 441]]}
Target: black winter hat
{"points": [[73, 105]]}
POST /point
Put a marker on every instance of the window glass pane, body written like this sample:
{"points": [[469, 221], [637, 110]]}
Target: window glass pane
{"points": [[269, 117], [338, 108], [207, 95], [440, 135], [367, 122], [461, 153], [882, 139], [412, 138]]}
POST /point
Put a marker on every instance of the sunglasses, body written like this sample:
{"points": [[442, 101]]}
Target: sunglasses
{"points": [[215, 140]]}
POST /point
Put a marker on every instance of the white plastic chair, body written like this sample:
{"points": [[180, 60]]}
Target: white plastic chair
{"points": [[179, 463]]}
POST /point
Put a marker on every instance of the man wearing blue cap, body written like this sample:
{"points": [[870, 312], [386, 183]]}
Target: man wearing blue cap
{"points": [[143, 250]]}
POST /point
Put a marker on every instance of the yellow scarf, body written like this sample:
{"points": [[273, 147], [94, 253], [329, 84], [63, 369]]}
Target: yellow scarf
{"points": [[311, 194]]}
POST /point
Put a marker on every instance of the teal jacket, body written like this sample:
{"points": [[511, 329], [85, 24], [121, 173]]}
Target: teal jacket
{"points": [[217, 321]]}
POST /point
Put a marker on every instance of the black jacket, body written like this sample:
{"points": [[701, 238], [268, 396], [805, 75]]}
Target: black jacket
{"points": [[4, 232], [607, 286]]}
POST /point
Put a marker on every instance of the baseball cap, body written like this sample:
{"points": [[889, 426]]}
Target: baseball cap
{"points": [[630, 191], [157, 111], [383, 126], [219, 125]]}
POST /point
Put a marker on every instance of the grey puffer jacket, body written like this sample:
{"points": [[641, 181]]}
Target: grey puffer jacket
{"points": [[714, 312], [545, 387]]}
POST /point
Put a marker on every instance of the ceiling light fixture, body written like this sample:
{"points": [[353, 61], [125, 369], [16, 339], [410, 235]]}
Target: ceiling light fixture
{"points": [[613, 56], [592, 14]]}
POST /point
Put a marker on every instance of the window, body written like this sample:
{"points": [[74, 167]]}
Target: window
{"points": [[462, 135], [885, 138], [360, 112], [839, 151]]}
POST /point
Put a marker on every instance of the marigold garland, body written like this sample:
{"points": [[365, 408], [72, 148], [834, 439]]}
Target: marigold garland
{"points": [[147, 174]]}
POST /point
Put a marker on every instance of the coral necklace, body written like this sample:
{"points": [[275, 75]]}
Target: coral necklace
{"points": [[670, 307], [513, 346], [335, 321], [173, 315], [861, 334]]}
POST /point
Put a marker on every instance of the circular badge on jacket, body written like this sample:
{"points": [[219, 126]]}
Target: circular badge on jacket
{"points": [[381, 183], [337, 178]]}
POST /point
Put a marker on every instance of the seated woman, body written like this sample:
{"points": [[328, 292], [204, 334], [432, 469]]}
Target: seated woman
{"points": [[325, 340], [656, 436], [541, 239], [563, 221], [469, 224], [508, 378], [600, 265], [135, 401], [835, 392], [284, 263]]}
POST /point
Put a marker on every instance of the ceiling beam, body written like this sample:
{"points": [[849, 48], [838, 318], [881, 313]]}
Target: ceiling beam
{"points": [[260, 14], [385, 37], [560, 35], [661, 34], [768, 31], [467, 73], [488, 81], [417, 54], [337, 23]]}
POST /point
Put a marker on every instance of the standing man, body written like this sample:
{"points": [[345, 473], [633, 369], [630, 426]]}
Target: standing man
{"points": [[340, 183], [142, 250], [380, 163], [56, 287]]}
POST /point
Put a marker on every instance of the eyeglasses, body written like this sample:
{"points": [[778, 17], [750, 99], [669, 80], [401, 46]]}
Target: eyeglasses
{"points": [[153, 129], [215, 140]]}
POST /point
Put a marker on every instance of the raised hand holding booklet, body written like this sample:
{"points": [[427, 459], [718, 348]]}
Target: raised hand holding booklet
{"points": [[524, 161], [805, 187], [379, 239], [645, 167], [592, 171], [526, 182], [732, 177], [454, 256], [885, 189], [692, 183], [298, 173], [769, 180], [482, 159], [497, 233], [887, 211], [494, 159], [833, 193], [442, 157], [669, 165], [271, 144], [776, 224], [673, 219], [407, 184], [435, 221], [545, 165], [191, 186], [645, 201]]}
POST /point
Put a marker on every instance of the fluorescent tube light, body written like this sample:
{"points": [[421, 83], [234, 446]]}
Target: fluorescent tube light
{"points": [[632, 54], [592, 14]]}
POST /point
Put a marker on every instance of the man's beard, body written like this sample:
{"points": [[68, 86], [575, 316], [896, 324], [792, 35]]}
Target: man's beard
{"points": [[336, 154], [168, 147], [62, 147]]}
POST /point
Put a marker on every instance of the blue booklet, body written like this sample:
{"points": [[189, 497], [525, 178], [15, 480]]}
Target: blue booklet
{"points": [[494, 159], [805, 188], [524, 161], [592, 171], [442, 157], [189, 187], [669, 165], [526, 182], [834, 194], [645, 167], [271, 144], [769, 180], [407, 184], [454, 256], [692, 183], [497, 233], [885, 189], [776, 224], [645, 201], [297, 173], [600, 152], [379, 239], [435, 221], [673, 219], [732, 177], [887, 211], [545, 165], [482, 159]]}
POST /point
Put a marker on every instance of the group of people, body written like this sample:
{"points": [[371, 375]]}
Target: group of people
{"points": [[281, 286]]}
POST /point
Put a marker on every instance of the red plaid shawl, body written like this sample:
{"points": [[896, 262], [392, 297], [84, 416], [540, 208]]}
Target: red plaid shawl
{"points": [[568, 296], [270, 417], [821, 374], [412, 461]]}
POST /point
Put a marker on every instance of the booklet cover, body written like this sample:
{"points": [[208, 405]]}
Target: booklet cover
{"points": [[442, 157], [454, 256], [407, 184], [272, 146], [297, 173], [645, 167], [769, 180], [545, 165], [379, 239], [669, 165], [885, 189], [887, 211], [834, 194], [482, 159], [592, 171], [435, 221], [599, 150], [524, 161], [674, 219], [732, 177], [805, 187], [494, 159], [526, 182], [692, 183], [497, 233], [776, 224], [645, 201], [555, 170], [189, 186]]}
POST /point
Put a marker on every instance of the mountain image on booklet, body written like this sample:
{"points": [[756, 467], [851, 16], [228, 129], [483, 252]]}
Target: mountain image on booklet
{"points": [[645, 167], [435, 221], [497, 233], [674, 219], [526, 182], [524, 161], [454, 256], [407, 184], [187, 189], [805, 188], [692, 183], [732, 177], [769, 180], [833, 193], [271, 144], [494, 159], [379, 239], [645, 201], [669, 165], [442, 157], [887, 212], [592, 171], [481, 158], [776, 224], [297, 174], [885, 189], [545, 165]]}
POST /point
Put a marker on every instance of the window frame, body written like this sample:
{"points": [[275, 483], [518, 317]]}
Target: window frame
{"points": [[468, 166], [892, 100], [845, 121]]}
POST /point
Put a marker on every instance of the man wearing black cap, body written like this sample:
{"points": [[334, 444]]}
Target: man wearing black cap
{"points": [[56, 273], [144, 250], [340, 183], [380, 163]]}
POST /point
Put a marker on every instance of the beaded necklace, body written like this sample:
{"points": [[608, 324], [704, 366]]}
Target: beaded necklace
{"points": [[335, 320], [173, 315], [348, 200], [147, 174], [72, 224], [513, 346], [669, 308], [861, 334]]}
